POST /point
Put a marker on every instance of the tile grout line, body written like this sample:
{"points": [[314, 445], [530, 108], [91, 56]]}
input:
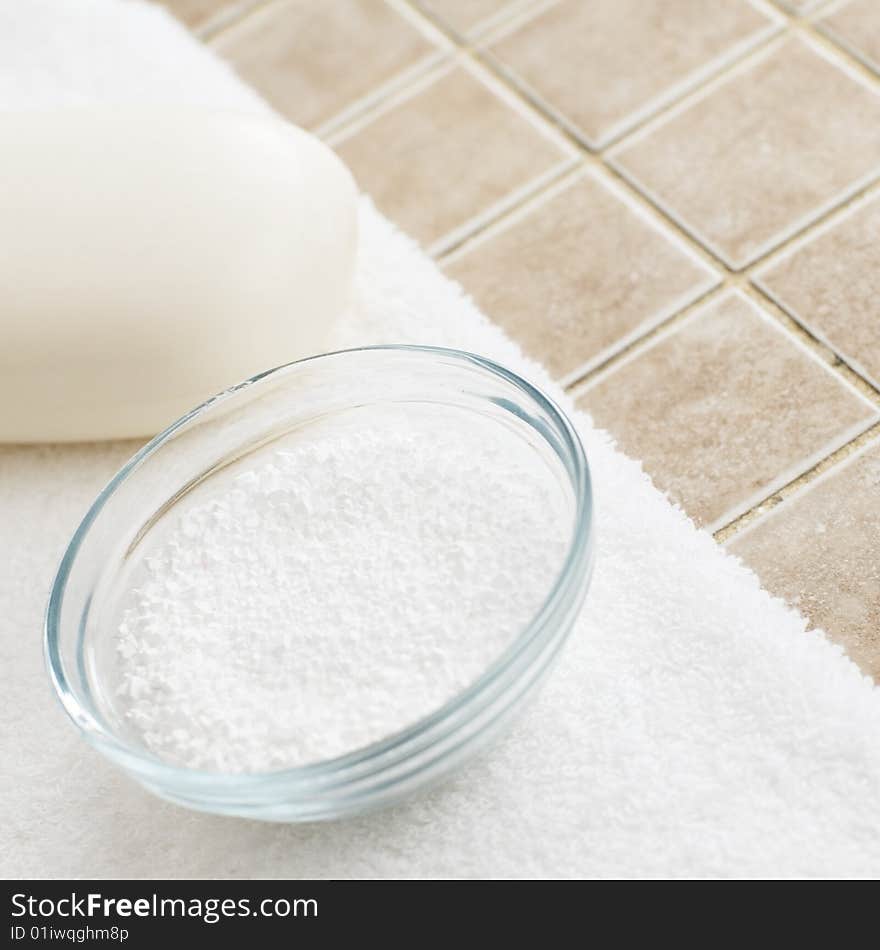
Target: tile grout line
{"points": [[796, 485], [809, 25], [829, 356], [579, 384], [792, 24], [827, 221]]}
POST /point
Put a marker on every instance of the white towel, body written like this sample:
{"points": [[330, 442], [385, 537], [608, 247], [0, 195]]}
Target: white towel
{"points": [[691, 728]]}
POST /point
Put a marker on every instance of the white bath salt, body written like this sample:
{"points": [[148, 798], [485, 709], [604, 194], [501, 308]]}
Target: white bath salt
{"points": [[335, 592]]}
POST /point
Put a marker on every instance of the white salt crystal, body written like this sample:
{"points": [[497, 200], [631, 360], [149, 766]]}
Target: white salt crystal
{"points": [[337, 591]]}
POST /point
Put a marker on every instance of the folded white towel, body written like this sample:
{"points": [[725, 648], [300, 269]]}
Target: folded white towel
{"points": [[692, 727]]}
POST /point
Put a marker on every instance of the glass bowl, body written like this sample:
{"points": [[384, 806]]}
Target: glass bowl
{"points": [[259, 412]]}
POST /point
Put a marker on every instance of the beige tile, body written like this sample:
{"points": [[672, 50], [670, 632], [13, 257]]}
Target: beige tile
{"points": [[831, 284], [856, 27], [600, 66], [464, 16], [762, 154], [579, 275], [725, 409], [313, 60], [196, 12], [820, 551], [449, 153]]}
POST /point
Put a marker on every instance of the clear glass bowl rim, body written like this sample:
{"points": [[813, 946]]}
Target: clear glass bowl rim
{"points": [[313, 776]]}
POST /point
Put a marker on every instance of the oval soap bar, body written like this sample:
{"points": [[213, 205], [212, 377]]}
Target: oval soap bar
{"points": [[151, 258]]}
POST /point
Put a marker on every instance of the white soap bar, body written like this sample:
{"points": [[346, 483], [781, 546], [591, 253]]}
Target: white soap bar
{"points": [[151, 258]]}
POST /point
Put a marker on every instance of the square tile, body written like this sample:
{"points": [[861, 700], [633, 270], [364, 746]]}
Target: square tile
{"points": [[820, 551], [856, 27], [467, 16], [831, 284], [451, 152], [725, 408], [762, 154], [602, 66], [312, 61], [579, 275]]}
